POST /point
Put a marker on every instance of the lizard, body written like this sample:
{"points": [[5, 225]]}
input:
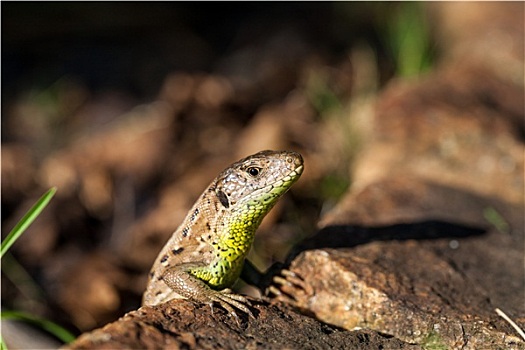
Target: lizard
{"points": [[206, 254]]}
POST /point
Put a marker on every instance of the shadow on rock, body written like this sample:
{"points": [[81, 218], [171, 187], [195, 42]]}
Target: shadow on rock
{"points": [[347, 236]]}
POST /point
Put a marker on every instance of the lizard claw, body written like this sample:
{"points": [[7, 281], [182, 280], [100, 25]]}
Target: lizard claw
{"points": [[286, 285], [227, 300]]}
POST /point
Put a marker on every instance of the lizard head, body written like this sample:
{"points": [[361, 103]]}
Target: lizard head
{"points": [[254, 184]]}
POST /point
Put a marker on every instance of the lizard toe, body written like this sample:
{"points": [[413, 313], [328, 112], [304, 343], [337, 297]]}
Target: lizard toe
{"points": [[228, 302], [236, 300]]}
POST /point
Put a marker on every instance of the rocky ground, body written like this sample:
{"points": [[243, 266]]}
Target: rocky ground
{"points": [[424, 244]]}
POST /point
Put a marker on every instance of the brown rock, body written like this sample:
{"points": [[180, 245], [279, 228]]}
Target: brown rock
{"points": [[180, 324], [422, 273]]}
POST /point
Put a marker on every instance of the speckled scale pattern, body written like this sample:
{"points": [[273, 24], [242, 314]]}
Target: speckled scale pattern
{"points": [[206, 253]]}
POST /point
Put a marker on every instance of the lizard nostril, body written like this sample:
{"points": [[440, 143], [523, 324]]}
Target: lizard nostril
{"points": [[299, 160]]}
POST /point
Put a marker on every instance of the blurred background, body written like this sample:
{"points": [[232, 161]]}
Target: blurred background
{"points": [[131, 109]]}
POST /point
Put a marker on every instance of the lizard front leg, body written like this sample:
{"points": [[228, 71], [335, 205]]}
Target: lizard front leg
{"points": [[180, 279]]}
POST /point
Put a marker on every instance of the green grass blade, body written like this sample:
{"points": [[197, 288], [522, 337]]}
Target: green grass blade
{"points": [[27, 220], [410, 41], [51, 327], [2, 344], [495, 218]]}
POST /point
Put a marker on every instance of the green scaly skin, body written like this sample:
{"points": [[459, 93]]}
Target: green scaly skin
{"points": [[206, 253]]}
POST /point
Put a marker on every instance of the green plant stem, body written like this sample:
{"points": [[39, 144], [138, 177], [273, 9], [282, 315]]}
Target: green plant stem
{"points": [[51, 327]]}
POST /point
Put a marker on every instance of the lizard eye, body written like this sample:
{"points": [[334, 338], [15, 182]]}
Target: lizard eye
{"points": [[253, 171]]}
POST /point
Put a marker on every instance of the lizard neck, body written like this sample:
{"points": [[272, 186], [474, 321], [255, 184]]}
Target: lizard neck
{"points": [[239, 236]]}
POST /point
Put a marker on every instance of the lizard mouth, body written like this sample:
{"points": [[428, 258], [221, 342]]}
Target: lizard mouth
{"points": [[279, 187]]}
